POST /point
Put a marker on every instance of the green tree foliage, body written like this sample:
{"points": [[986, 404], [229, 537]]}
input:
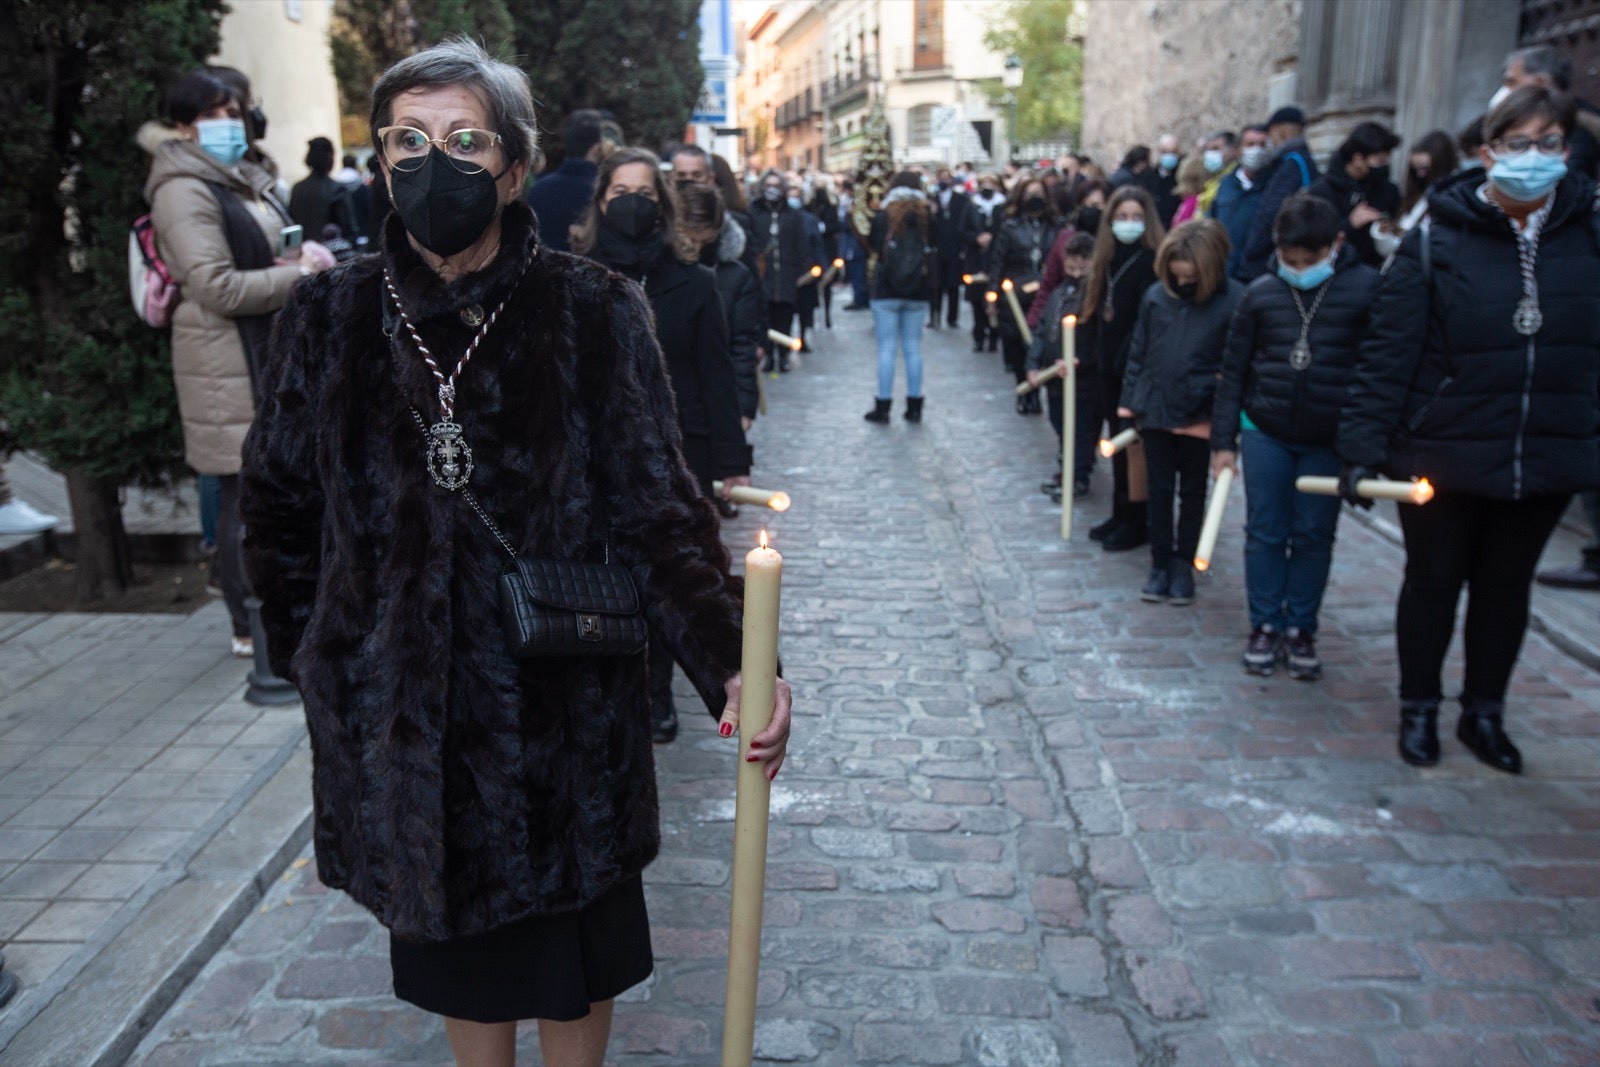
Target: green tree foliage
{"points": [[82, 380], [1043, 34], [638, 59], [369, 36]]}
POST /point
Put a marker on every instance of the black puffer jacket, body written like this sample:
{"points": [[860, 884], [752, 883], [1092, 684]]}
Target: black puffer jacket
{"points": [[1018, 252], [1446, 388], [1344, 193], [1298, 406], [745, 310], [1173, 357]]}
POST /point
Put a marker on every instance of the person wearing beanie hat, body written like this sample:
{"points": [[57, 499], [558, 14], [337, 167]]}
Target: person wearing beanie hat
{"points": [[1290, 170]]}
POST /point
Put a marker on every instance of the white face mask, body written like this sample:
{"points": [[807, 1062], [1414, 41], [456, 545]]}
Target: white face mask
{"points": [[1253, 157], [1499, 95]]}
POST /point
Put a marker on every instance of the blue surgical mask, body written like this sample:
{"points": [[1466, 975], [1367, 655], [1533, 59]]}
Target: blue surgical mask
{"points": [[1312, 276], [1527, 176], [222, 139], [794, 202], [1212, 160], [1169, 161], [1127, 230]]}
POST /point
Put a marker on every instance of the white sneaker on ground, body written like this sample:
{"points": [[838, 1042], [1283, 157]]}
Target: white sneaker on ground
{"points": [[244, 647], [20, 518]]}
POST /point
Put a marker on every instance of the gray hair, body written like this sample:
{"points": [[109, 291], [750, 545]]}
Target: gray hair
{"points": [[1541, 59], [461, 61]]}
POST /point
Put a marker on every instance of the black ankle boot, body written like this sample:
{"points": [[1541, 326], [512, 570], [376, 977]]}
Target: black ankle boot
{"points": [[1132, 532], [1481, 729], [880, 411], [1100, 531], [913, 409], [1419, 732]]}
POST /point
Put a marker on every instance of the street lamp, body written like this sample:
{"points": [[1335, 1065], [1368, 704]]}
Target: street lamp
{"points": [[1012, 79]]}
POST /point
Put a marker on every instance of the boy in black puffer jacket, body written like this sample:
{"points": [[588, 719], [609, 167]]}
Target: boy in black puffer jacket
{"points": [[1168, 389], [1291, 356]]}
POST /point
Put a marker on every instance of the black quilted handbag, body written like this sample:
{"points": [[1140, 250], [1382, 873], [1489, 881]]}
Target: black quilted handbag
{"points": [[562, 607]]}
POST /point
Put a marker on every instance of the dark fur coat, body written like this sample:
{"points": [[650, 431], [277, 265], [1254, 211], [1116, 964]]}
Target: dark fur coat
{"points": [[455, 789]]}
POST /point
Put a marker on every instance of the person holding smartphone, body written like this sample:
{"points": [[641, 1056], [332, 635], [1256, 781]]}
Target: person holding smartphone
{"points": [[235, 254], [1357, 185]]}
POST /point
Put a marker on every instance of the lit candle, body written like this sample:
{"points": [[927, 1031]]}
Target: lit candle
{"points": [[764, 498], [1069, 418], [1213, 523], [1125, 439], [810, 276], [763, 573], [991, 296], [1413, 492], [974, 279], [784, 339], [1016, 311], [1050, 374], [833, 271]]}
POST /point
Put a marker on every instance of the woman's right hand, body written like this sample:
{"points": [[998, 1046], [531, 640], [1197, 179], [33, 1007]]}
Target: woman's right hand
{"points": [[1221, 461], [1033, 378], [315, 257]]}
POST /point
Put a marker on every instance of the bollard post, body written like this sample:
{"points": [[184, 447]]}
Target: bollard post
{"points": [[266, 689]]}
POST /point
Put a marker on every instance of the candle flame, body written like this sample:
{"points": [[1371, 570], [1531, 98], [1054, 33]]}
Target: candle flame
{"points": [[1070, 321], [966, 279], [1107, 449], [1422, 492], [794, 345], [838, 263], [990, 296], [1202, 564], [763, 539], [1006, 285], [816, 272], [778, 502]]}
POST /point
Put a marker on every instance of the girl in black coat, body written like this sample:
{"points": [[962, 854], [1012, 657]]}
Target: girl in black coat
{"points": [[722, 243], [1167, 390], [630, 227], [1017, 255], [1122, 270], [1291, 355], [493, 814], [1481, 373]]}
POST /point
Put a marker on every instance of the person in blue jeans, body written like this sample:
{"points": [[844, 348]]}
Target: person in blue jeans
{"points": [[903, 238], [1290, 357]]}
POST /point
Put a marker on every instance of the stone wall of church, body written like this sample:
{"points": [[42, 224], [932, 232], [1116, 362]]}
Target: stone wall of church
{"points": [[1182, 66]]}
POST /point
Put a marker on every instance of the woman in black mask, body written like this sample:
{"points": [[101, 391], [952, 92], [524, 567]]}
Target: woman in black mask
{"points": [[631, 227], [1018, 254], [425, 414]]}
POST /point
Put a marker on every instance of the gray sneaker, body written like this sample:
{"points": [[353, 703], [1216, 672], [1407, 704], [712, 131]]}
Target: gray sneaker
{"points": [[1300, 650]]}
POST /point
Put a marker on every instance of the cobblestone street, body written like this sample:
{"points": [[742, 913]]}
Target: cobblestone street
{"points": [[1029, 819]]}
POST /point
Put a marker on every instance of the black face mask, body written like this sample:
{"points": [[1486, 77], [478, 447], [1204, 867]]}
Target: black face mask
{"points": [[445, 210], [1377, 175], [632, 216], [1034, 205], [256, 121], [1089, 219], [771, 194], [1187, 291]]}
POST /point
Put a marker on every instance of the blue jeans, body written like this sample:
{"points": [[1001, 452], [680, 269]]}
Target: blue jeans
{"points": [[894, 320], [1288, 534]]}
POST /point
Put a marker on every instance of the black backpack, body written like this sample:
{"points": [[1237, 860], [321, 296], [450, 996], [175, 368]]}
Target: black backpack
{"points": [[906, 274]]}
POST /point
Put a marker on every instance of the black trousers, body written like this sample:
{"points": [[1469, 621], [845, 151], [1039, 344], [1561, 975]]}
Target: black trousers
{"points": [[1016, 354], [230, 556], [1110, 398], [1085, 421], [982, 332], [780, 317], [1491, 547], [697, 457], [949, 297], [1178, 466]]}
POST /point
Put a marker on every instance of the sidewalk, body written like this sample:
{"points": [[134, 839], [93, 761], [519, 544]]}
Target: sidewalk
{"points": [[141, 797]]}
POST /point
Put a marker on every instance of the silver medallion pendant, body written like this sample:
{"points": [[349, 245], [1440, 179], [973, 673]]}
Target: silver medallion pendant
{"points": [[1528, 318], [472, 315], [449, 458], [1300, 354]]}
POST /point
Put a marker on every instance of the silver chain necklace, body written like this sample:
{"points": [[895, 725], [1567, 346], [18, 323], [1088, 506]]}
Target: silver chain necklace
{"points": [[448, 457], [1300, 354], [1528, 318]]}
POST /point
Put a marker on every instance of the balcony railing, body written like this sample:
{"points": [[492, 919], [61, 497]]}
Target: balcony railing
{"points": [[797, 109], [852, 80]]}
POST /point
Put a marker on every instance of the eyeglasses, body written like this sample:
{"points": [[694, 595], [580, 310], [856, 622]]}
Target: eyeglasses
{"points": [[469, 151], [1551, 144]]}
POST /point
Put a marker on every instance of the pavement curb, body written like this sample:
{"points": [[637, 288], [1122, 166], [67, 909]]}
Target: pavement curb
{"points": [[1586, 652], [102, 1012]]}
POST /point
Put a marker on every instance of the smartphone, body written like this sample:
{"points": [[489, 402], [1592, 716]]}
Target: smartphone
{"points": [[289, 239]]}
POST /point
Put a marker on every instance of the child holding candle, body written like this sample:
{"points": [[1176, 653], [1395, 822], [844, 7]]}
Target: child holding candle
{"points": [[1168, 388], [1290, 358], [1066, 298]]}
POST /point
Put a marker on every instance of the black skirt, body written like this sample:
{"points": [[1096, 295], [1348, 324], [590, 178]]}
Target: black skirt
{"points": [[542, 967]]}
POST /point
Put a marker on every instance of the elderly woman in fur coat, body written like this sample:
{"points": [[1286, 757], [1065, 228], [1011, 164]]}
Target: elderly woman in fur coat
{"points": [[494, 814]]}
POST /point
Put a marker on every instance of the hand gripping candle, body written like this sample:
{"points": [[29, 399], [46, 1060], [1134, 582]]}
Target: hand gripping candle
{"points": [[763, 574], [1417, 492]]}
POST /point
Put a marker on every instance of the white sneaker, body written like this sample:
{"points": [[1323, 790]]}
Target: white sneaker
{"points": [[20, 518], [244, 647]]}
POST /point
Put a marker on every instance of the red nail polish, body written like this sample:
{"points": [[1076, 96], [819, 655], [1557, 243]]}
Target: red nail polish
{"points": [[726, 729], [751, 759], [755, 744]]}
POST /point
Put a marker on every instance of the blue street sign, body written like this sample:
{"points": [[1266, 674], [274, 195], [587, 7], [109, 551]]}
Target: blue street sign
{"points": [[712, 107]]}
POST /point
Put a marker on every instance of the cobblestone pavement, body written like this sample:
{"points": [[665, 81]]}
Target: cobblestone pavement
{"points": [[1030, 820]]}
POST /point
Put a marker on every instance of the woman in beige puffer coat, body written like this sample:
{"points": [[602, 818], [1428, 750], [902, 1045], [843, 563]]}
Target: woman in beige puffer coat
{"points": [[202, 200]]}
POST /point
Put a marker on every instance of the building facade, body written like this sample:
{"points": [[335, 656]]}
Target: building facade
{"points": [[816, 66], [299, 96], [1191, 66]]}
